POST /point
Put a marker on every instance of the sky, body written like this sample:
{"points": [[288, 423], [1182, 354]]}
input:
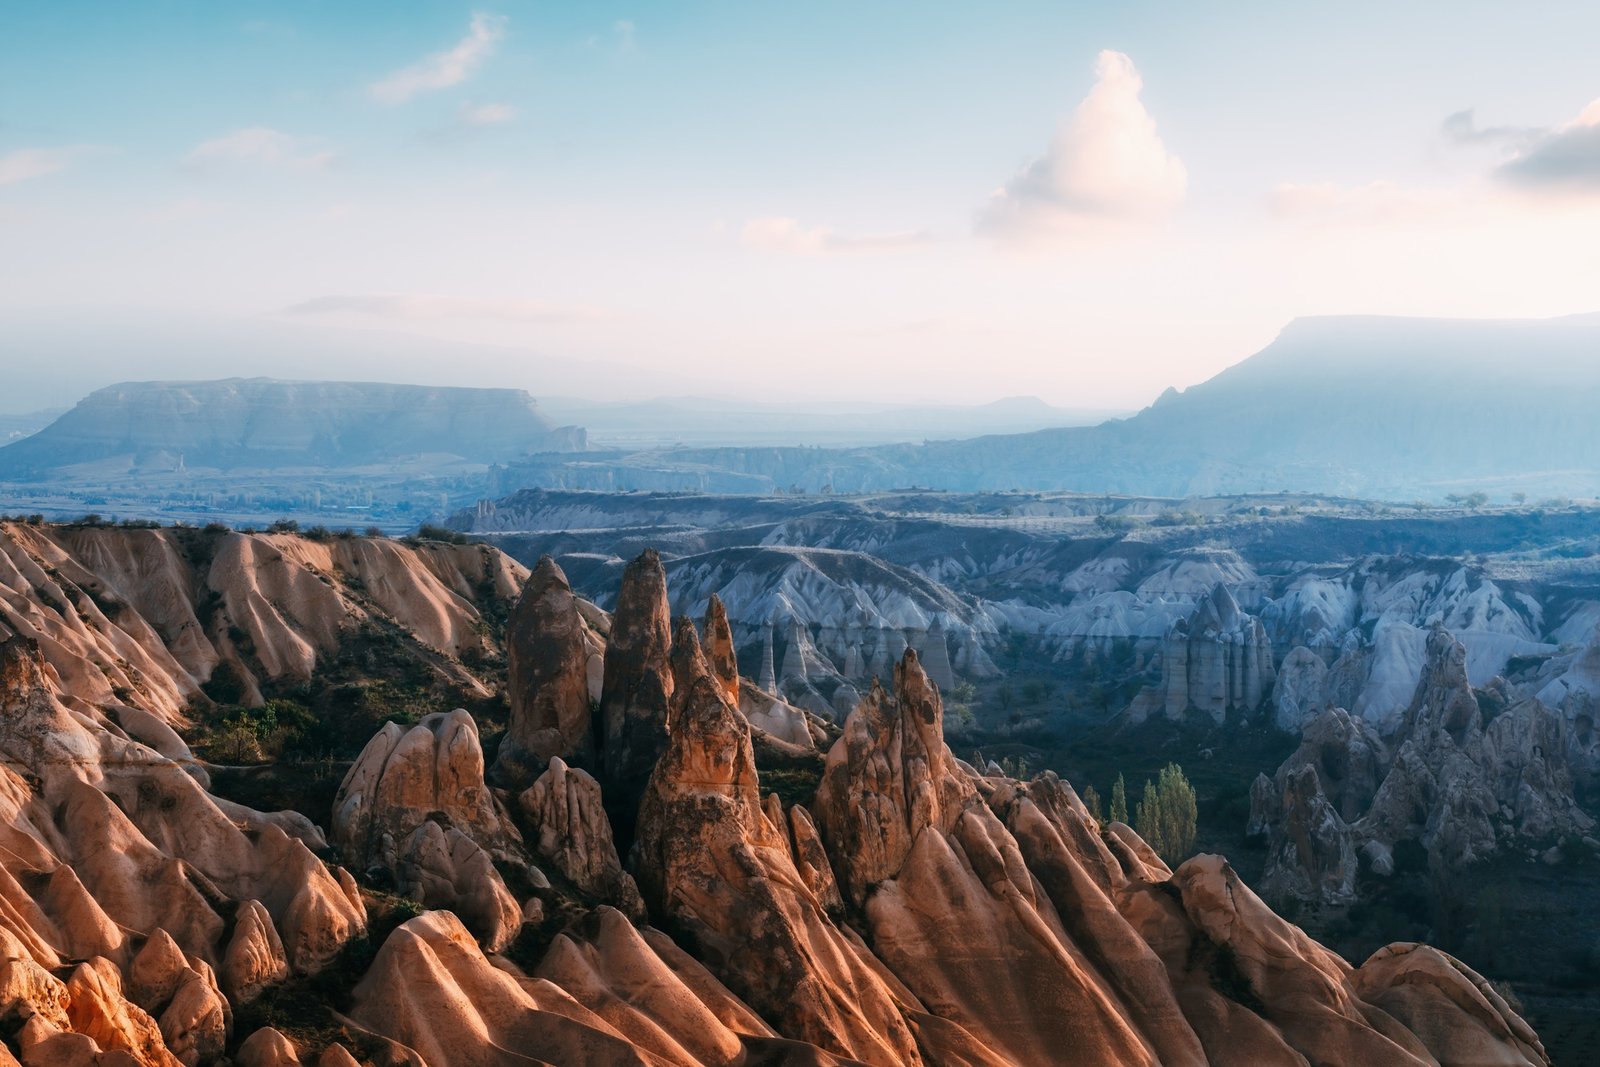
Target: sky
{"points": [[904, 202]]}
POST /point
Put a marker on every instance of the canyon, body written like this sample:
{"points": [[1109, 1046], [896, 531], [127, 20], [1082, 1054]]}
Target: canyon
{"points": [[698, 871]]}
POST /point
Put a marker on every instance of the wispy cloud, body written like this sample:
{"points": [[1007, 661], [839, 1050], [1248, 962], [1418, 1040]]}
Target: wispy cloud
{"points": [[778, 234], [485, 114], [1382, 203], [261, 146], [1106, 162], [443, 69], [1563, 160], [21, 164], [1462, 128], [431, 306], [623, 38], [185, 209]]}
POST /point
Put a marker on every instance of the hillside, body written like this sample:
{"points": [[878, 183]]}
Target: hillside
{"points": [[1384, 408], [265, 424], [637, 857]]}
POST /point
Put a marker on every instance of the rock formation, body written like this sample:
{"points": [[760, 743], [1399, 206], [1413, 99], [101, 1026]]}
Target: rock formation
{"points": [[911, 912], [414, 806], [567, 827], [637, 686], [551, 652], [1218, 660], [1460, 787], [719, 652], [1298, 693], [756, 926], [117, 857]]}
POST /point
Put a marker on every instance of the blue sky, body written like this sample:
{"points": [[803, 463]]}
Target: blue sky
{"points": [[1087, 202]]}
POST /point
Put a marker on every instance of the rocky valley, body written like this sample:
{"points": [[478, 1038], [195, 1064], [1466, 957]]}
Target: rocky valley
{"points": [[275, 799], [759, 535]]}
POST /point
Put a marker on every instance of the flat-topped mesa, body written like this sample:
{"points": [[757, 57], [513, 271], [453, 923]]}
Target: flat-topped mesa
{"points": [[636, 690], [887, 778], [548, 646], [720, 656]]}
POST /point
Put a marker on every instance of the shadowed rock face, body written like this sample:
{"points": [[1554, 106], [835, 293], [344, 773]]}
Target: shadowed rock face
{"points": [[887, 779], [637, 687], [548, 646]]}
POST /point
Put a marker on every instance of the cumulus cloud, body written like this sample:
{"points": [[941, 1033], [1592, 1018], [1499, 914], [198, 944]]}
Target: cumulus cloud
{"points": [[1106, 162], [777, 234], [1562, 160], [23, 163], [259, 145], [443, 69], [429, 306], [485, 114]]}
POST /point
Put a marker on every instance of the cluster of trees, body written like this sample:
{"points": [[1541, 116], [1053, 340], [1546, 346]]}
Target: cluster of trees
{"points": [[278, 729], [1165, 816]]}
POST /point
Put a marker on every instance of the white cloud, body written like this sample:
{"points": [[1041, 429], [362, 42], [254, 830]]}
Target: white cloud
{"points": [[259, 145], [1107, 162], [415, 306], [443, 69], [485, 114], [777, 234], [23, 163], [1563, 160]]}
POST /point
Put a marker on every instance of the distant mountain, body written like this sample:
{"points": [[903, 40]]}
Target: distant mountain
{"points": [[1363, 406], [14, 427], [261, 423], [693, 421]]}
